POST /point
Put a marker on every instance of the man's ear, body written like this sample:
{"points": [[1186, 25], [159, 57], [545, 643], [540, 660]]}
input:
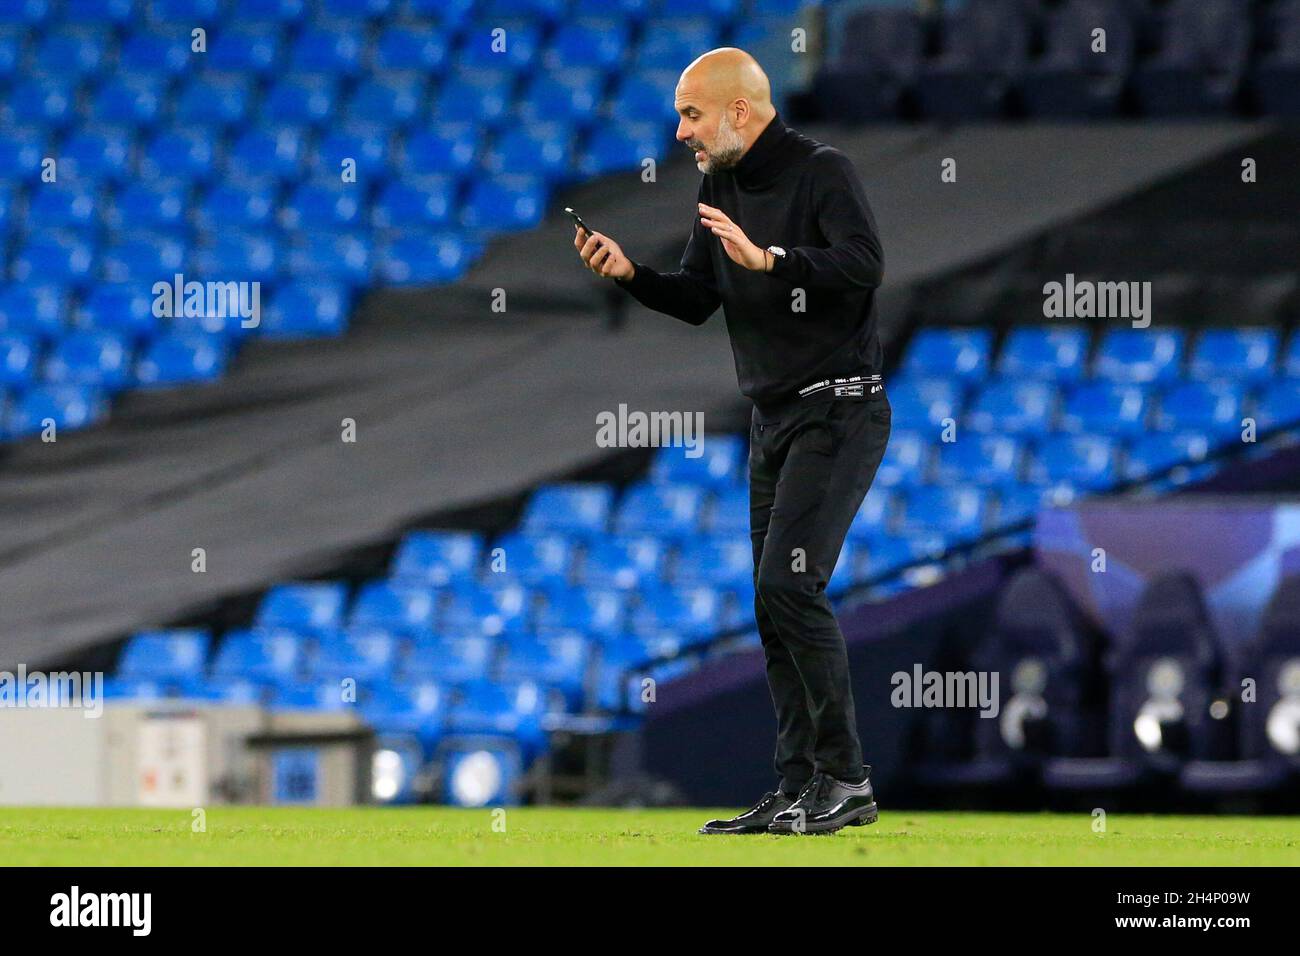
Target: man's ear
{"points": [[740, 112]]}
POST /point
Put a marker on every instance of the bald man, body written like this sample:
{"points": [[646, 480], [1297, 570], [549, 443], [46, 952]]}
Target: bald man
{"points": [[784, 241]]}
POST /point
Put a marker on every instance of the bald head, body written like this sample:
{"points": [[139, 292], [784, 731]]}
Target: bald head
{"points": [[724, 100]]}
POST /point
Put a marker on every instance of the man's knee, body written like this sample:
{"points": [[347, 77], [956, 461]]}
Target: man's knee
{"points": [[779, 587]]}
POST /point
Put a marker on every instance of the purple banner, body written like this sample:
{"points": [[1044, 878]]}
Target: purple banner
{"points": [[1238, 550]]}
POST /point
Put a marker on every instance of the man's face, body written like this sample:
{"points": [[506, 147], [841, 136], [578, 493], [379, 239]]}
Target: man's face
{"points": [[708, 131]]}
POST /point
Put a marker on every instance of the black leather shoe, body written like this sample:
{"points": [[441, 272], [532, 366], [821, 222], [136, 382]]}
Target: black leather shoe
{"points": [[826, 804], [754, 820]]}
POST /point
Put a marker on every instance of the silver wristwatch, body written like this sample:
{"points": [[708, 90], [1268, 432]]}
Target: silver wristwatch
{"points": [[777, 253]]}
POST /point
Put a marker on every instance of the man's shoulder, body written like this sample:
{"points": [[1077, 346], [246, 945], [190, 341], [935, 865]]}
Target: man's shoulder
{"points": [[825, 158]]}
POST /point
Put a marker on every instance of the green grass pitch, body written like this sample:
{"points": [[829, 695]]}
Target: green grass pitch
{"points": [[564, 836]]}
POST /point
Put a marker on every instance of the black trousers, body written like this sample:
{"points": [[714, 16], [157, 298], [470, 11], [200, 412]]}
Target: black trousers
{"points": [[810, 465]]}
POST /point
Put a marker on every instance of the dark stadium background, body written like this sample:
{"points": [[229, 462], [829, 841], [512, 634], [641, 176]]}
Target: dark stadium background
{"points": [[1171, 158]]}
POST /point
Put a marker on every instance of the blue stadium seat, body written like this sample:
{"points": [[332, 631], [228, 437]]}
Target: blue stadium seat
{"points": [[533, 558], [660, 509], [362, 654], [437, 558], [540, 148], [321, 49], [360, 144], [425, 259], [48, 99], [393, 99], [344, 257], [494, 609], [214, 100], [1012, 407], [55, 257], [906, 461], [67, 406], [669, 45], [127, 99], [180, 359], [569, 97], [267, 153], [271, 656], [729, 513], [33, 309], [323, 204], [399, 607], [455, 660], [1210, 407], [875, 515], [21, 150], [1139, 355], [624, 562], [561, 661], [300, 99], [504, 204], [592, 611], [580, 508], [156, 205], [251, 49], [72, 51], [427, 203], [1017, 502], [1291, 357], [961, 354], [1246, 355], [691, 613], [499, 44], [83, 357], [73, 206], [622, 146], [151, 51], [645, 94], [165, 655], [1046, 352], [400, 47], [304, 608], [979, 459], [1278, 404], [956, 512], [931, 400], [185, 153], [99, 154], [142, 257], [1105, 408], [306, 310], [1086, 462], [442, 148], [587, 42], [1151, 454], [474, 96], [19, 354], [717, 461], [718, 562]]}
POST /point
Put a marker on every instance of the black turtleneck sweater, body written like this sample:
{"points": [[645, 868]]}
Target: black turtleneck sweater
{"points": [[793, 192]]}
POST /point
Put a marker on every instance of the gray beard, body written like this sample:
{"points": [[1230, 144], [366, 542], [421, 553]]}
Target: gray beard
{"points": [[726, 151]]}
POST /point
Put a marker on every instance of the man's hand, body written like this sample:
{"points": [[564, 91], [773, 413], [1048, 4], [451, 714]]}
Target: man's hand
{"points": [[602, 255], [734, 242]]}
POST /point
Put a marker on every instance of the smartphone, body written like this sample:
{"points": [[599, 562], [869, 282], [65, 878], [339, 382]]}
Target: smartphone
{"points": [[577, 221]]}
